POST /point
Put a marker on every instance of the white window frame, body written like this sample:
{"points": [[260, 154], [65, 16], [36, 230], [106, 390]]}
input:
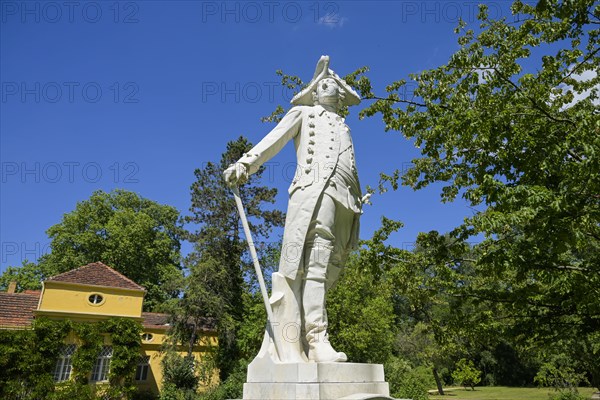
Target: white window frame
{"points": [[64, 363], [142, 369], [102, 365]]}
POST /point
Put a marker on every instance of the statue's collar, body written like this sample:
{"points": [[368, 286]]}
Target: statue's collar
{"points": [[320, 110]]}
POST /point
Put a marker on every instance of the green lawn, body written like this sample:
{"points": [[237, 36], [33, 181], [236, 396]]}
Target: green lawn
{"points": [[502, 393]]}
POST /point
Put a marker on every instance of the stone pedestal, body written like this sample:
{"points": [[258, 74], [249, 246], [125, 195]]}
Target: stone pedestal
{"points": [[314, 381]]}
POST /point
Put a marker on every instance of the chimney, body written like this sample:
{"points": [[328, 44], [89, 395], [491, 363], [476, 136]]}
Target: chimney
{"points": [[12, 286]]}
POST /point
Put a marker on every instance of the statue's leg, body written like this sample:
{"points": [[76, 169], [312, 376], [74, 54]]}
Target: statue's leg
{"points": [[286, 306], [319, 248], [342, 230]]}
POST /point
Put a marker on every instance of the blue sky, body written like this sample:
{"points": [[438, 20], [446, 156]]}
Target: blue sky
{"points": [[137, 94]]}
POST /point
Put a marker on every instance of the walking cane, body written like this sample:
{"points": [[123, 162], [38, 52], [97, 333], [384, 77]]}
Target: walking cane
{"points": [[261, 281]]}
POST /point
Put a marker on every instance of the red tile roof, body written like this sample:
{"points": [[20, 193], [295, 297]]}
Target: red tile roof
{"points": [[155, 320], [97, 274], [161, 321], [16, 309]]}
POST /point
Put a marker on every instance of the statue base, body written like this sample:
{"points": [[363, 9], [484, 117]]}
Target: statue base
{"points": [[267, 380]]}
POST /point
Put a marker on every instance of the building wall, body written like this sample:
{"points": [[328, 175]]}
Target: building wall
{"points": [[153, 350], [61, 297], [64, 300]]}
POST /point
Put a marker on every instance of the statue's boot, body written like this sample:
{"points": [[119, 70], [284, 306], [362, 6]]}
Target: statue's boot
{"points": [[313, 301], [286, 324]]}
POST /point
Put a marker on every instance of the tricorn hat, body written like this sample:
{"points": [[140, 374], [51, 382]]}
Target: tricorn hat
{"points": [[305, 97]]}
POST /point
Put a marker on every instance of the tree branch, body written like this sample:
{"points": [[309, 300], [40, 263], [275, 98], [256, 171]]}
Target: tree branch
{"points": [[579, 65], [532, 100], [396, 101]]}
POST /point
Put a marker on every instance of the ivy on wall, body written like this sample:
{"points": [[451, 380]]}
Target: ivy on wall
{"points": [[28, 358]]}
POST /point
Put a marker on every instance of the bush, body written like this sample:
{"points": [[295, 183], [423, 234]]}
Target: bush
{"points": [[567, 395], [172, 392], [143, 395], [406, 382], [232, 387], [560, 375], [178, 371], [466, 374]]}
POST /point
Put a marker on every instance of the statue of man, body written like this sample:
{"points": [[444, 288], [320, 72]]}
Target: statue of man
{"points": [[322, 220]]}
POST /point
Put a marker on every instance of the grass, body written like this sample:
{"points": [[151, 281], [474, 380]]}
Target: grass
{"points": [[502, 393]]}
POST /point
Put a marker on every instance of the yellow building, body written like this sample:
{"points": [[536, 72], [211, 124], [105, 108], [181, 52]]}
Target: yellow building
{"points": [[92, 293]]}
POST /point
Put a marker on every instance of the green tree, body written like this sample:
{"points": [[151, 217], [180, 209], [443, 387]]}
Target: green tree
{"points": [[511, 124], [362, 316], [136, 236], [28, 276], [466, 373]]}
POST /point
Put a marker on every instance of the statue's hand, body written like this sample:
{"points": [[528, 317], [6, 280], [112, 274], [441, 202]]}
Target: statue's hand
{"points": [[236, 174], [366, 199]]}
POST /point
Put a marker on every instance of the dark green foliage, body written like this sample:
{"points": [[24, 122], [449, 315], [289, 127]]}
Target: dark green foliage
{"points": [[232, 387], [28, 358], [144, 395]]}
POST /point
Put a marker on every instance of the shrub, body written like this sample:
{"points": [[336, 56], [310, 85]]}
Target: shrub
{"points": [[406, 382], [567, 395], [466, 374], [232, 387]]}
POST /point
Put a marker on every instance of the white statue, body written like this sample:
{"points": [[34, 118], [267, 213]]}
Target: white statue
{"points": [[322, 221]]}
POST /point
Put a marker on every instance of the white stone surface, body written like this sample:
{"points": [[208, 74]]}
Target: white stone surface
{"points": [[314, 381], [314, 391]]}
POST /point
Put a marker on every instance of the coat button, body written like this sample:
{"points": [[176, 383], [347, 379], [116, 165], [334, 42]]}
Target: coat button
{"points": [[326, 155], [311, 133]]}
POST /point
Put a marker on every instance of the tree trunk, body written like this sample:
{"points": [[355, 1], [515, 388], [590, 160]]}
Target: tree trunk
{"points": [[190, 352], [438, 382]]}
